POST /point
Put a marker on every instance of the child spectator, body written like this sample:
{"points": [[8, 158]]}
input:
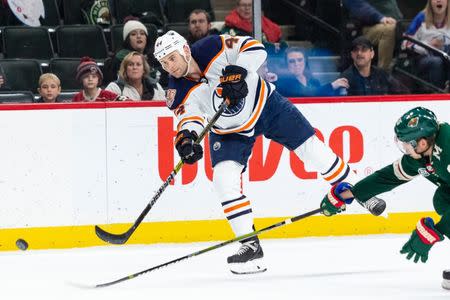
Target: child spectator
{"points": [[90, 75], [49, 88]]}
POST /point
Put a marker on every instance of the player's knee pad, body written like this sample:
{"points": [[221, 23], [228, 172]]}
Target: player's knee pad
{"points": [[315, 154], [319, 157], [227, 180]]}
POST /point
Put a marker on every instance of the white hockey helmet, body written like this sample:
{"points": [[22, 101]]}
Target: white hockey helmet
{"points": [[167, 43]]}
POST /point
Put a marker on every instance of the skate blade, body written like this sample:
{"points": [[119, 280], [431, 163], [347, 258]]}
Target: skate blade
{"points": [[446, 284], [251, 267]]}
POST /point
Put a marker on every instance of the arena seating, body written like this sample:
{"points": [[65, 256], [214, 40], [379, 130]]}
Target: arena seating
{"points": [[22, 74], [81, 40]]}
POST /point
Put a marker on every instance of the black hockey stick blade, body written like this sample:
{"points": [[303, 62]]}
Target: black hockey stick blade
{"points": [[117, 239], [211, 248]]}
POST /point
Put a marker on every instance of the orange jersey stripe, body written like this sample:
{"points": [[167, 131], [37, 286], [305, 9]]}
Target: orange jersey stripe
{"points": [[184, 120], [335, 174], [236, 206], [188, 93], [215, 57], [248, 45], [255, 115]]}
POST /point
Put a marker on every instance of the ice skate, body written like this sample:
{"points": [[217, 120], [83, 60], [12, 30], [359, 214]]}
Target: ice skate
{"points": [[248, 259]]}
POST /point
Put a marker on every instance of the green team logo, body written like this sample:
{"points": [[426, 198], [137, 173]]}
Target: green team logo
{"points": [[413, 122], [99, 13]]}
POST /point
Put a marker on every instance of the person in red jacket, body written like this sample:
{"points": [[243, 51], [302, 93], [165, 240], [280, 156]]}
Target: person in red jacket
{"points": [[240, 22], [90, 76]]}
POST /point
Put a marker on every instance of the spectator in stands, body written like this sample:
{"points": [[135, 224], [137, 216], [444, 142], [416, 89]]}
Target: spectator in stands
{"points": [[199, 25], [240, 22], [135, 37], [378, 18], [133, 82], [49, 88], [431, 26], [90, 76], [365, 79], [3, 85], [300, 82]]}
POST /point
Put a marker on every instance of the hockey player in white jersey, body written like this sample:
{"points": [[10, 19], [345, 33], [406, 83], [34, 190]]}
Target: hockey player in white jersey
{"points": [[221, 67]]}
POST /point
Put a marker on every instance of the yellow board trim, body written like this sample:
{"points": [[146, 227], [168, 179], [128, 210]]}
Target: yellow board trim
{"points": [[210, 230]]}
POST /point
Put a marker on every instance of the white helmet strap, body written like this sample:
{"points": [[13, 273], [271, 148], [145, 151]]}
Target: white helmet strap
{"points": [[188, 61]]}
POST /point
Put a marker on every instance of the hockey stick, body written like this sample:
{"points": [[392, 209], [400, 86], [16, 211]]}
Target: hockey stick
{"points": [[123, 237], [214, 247]]}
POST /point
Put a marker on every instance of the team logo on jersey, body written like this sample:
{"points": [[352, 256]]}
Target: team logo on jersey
{"points": [[413, 122], [229, 111], [437, 152], [216, 146], [423, 172], [170, 97]]}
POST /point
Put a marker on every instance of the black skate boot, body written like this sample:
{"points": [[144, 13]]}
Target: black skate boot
{"points": [[446, 279], [248, 259]]}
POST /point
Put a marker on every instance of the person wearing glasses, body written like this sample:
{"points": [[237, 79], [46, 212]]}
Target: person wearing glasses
{"points": [[364, 78], [298, 81]]}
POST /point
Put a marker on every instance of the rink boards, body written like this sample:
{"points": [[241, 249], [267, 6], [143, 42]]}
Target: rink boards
{"points": [[66, 167]]}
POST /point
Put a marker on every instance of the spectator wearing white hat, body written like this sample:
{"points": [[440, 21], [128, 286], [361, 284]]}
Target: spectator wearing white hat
{"points": [[135, 38]]}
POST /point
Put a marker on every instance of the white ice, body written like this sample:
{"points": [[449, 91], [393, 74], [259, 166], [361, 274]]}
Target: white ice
{"points": [[356, 267]]}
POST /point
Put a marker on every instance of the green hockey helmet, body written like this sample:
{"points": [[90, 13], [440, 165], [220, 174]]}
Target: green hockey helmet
{"points": [[416, 123]]}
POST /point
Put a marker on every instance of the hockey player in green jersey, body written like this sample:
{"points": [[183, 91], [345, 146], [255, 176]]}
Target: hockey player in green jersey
{"points": [[426, 145]]}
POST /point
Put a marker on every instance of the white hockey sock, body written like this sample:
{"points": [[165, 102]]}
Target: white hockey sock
{"points": [[239, 214]]}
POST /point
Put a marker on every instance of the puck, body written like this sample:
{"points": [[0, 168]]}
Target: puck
{"points": [[22, 244]]}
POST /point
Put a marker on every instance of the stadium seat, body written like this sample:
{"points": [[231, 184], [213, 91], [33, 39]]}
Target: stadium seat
{"points": [[145, 9], [52, 16], [66, 96], [27, 42], [72, 12], [326, 77], [81, 40], [21, 74], [16, 97], [324, 63], [66, 70], [117, 36], [179, 10], [181, 28]]}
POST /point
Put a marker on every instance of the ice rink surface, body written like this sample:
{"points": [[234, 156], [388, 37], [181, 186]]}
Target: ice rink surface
{"points": [[357, 267]]}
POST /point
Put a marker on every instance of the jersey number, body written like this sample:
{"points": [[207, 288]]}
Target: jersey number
{"points": [[229, 42]]}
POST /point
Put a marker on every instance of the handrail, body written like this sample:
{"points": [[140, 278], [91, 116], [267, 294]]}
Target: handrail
{"points": [[428, 47], [323, 24]]}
